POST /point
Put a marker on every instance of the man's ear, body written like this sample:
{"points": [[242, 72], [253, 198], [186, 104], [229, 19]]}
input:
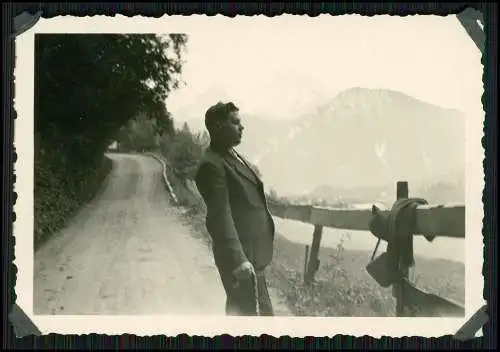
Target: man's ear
{"points": [[217, 125]]}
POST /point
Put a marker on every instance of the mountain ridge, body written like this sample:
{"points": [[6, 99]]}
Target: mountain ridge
{"points": [[368, 138]]}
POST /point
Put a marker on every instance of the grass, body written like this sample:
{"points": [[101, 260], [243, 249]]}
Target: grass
{"points": [[342, 286]]}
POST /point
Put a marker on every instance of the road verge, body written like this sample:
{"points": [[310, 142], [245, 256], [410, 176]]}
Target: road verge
{"points": [[164, 175]]}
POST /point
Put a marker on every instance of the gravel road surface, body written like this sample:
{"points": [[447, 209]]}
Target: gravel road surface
{"points": [[127, 252]]}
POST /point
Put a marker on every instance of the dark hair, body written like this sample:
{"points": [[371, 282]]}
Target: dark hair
{"points": [[218, 113]]}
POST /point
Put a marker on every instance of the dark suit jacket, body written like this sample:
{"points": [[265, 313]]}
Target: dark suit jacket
{"points": [[238, 218]]}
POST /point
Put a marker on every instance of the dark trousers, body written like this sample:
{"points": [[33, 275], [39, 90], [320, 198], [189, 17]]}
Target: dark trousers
{"points": [[241, 300]]}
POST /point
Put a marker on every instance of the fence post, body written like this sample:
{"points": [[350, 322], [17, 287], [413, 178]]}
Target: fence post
{"points": [[401, 192], [306, 257], [313, 263]]}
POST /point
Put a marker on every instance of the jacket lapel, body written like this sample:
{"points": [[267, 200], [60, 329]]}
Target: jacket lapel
{"points": [[249, 166], [241, 167], [243, 170]]}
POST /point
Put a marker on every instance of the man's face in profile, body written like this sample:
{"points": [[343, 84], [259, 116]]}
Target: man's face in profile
{"points": [[233, 130]]}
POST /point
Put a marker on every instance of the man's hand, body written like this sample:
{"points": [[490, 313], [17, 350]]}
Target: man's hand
{"points": [[244, 271]]}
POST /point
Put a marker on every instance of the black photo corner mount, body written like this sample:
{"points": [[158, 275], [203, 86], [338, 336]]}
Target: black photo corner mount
{"points": [[18, 18]]}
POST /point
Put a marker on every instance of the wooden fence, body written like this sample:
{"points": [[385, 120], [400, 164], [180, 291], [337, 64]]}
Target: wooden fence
{"points": [[430, 220]]}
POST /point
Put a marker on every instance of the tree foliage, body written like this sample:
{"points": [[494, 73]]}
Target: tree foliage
{"points": [[183, 150], [90, 85], [140, 134], [87, 88]]}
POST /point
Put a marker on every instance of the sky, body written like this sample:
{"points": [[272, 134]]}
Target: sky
{"points": [[280, 69]]}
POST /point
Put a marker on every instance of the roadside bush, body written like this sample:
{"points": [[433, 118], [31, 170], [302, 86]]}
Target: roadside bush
{"points": [[58, 194], [183, 152]]}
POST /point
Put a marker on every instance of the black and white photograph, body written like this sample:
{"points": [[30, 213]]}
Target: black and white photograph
{"points": [[305, 174]]}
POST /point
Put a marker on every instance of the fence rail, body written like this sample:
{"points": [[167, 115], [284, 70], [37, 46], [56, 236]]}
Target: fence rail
{"points": [[435, 220]]}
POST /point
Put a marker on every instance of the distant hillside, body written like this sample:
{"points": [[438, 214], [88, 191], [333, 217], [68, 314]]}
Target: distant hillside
{"points": [[363, 141]]}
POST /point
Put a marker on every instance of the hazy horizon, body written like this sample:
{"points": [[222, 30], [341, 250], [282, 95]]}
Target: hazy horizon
{"points": [[281, 70]]}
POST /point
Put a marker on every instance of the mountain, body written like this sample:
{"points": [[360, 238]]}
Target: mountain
{"points": [[262, 135], [361, 142]]}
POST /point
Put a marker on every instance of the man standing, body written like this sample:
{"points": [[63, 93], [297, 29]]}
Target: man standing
{"points": [[238, 219]]}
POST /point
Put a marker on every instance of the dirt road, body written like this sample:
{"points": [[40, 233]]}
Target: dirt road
{"points": [[127, 253]]}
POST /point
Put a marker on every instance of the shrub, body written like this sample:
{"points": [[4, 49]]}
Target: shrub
{"points": [[182, 152], [60, 190]]}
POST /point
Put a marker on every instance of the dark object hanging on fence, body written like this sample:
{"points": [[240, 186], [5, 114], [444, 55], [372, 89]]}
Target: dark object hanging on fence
{"points": [[391, 268], [397, 229]]}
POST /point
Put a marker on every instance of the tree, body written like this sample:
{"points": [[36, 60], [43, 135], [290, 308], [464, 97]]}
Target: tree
{"points": [[205, 139], [142, 133], [185, 129], [273, 195], [164, 122], [88, 86]]}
